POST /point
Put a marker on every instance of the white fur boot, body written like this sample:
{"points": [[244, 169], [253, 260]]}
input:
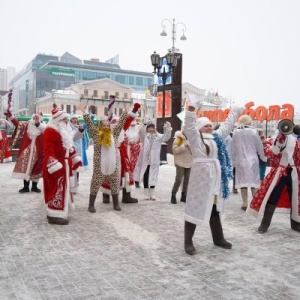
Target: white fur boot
{"points": [[147, 193], [152, 196]]}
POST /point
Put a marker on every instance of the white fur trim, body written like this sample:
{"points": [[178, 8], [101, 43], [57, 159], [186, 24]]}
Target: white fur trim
{"points": [[76, 159], [57, 166], [132, 114]]}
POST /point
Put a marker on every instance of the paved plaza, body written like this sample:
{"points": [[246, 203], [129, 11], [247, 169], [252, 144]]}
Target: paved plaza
{"points": [[138, 253]]}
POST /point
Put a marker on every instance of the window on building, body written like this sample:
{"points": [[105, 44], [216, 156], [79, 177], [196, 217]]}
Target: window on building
{"points": [[68, 108], [85, 92], [106, 95], [115, 111], [106, 111], [125, 95], [117, 95], [120, 111], [95, 94]]}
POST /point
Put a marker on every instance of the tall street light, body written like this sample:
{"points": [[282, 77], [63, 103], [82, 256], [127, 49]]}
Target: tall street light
{"points": [[161, 72], [174, 27]]}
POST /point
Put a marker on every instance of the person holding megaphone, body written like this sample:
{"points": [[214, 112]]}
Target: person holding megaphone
{"points": [[280, 188]]}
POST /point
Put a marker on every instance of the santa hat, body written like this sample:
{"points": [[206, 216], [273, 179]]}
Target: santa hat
{"points": [[245, 120], [114, 118], [39, 114], [58, 115], [201, 122]]}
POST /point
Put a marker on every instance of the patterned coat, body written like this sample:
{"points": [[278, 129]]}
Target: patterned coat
{"points": [[29, 162], [279, 161]]}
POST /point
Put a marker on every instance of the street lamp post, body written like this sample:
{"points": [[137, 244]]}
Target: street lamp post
{"points": [[174, 27], [160, 71]]}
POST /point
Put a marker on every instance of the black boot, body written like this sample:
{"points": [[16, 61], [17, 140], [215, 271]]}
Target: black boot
{"points": [[183, 197], [57, 221], [34, 187], [137, 184], [266, 221], [115, 199], [92, 204], [25, 189], [126, 197], [217, 230], [106, 198], [295, 225], [173, 199], [189, 230]]}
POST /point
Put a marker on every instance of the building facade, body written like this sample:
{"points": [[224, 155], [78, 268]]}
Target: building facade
{"points": [[48, 72]]}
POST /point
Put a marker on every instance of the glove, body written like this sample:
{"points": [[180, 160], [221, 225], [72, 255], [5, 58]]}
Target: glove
{"points": [[136, 107], [194, 101], [238, 109], [167, 124]]}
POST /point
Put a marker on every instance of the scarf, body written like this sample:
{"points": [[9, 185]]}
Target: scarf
{"points": [[105, 137], [226, 166]]}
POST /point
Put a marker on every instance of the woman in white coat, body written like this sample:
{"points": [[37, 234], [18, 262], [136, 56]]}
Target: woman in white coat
{"points": [[210, 174], [147, 166]]}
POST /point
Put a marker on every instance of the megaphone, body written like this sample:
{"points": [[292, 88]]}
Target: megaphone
{"points": [[286, 126]]}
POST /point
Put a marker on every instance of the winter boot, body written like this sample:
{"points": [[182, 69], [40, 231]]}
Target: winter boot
{"points": [[173, 199], [57, 221], [126, 197], [295, 225], [137, 184], [266, 221], [25, 189], [189, 230], [183, 197], [151, 192], [92, 204], [217, 230], [34, 187], [147, 193], [106, 198], [244, 192], [115, 199]]}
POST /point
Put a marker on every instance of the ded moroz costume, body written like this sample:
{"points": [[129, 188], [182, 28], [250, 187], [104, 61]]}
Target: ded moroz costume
{"points": [[60, 159]]}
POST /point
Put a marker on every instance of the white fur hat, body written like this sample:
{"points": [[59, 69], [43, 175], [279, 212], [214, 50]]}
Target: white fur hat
{"points": [[58, 115], [200, 122], [245, 120]]}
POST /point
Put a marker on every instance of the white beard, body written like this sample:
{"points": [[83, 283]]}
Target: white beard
{"points": [[32, 130], [66, 134], [133, 135]]}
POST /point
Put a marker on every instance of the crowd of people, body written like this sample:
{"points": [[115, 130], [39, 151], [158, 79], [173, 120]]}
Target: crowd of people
{"points": [[127, 154]]}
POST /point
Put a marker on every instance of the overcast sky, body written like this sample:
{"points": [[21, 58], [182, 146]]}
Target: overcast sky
{"points": [[248, 50]]}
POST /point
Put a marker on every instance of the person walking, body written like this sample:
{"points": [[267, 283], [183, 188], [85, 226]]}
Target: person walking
{"points": [[210, 174], [246, 148], [183, 162]]}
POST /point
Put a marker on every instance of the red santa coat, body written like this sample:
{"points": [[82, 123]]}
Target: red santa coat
{"points": [[126, 173], [5, 153], [278, 163], [57, 169], [30, 155]]}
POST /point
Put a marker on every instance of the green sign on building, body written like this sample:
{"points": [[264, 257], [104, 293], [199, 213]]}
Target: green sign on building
{"points": [[60, 72]]}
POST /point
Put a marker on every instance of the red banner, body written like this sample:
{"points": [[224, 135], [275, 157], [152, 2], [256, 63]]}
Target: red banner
{"points": [[168, 105]]}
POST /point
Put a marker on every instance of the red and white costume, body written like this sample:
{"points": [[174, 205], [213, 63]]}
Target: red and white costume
{"points": [[5, 153], [133, 147], [60, 159], [279, 162], [30, 155]]}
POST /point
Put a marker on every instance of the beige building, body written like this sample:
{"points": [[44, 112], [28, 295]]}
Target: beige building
{"points": [[96, 93]]}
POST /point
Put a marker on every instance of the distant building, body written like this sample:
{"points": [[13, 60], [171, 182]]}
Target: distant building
{"points": [[49, 72], [6, 76]]}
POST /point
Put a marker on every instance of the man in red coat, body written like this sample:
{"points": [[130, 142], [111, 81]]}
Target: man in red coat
{"points": [[280, 188], [60, 159], [30, 155]]}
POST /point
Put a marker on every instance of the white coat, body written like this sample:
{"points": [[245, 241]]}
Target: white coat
{"points": [[150, 154]]}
